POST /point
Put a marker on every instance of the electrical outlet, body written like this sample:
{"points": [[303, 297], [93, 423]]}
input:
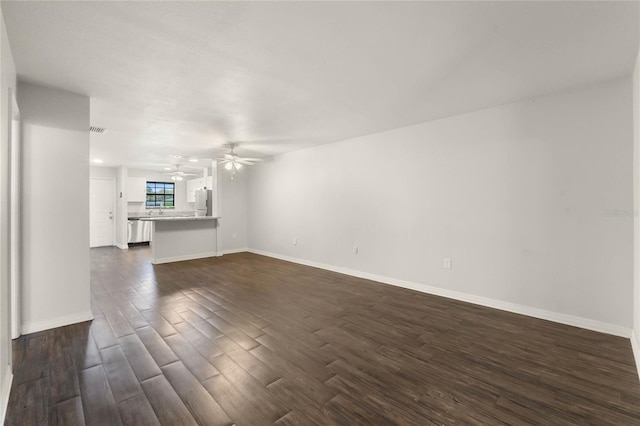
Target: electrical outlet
{"points": [[295, 241], [233, 235], [447, 264], [355, 249]]}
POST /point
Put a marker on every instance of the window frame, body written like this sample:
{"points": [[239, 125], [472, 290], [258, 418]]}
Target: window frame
{"points": [[146, 194]]}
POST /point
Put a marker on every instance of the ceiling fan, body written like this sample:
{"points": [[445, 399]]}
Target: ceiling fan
{"points": [[178, 174], [234, 162]]}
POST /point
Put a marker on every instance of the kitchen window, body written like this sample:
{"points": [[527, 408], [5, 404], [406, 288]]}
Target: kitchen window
{"points": [[160, 195]]}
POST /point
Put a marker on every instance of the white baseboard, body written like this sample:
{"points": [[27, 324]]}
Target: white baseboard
{"points": [[123, 246], [56, 322], [635, 345], [232, 251], [4, 394], [589, 324], [185, 257]]}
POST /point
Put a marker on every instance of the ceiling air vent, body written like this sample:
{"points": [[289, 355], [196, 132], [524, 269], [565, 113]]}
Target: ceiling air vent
{"points": [[94, 129]]}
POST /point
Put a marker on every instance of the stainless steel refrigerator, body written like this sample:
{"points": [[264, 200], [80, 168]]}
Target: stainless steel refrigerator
{"points": [[204, 202]]}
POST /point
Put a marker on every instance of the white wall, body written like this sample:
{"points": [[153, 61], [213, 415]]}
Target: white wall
{"points": [[56, 286], [180, 198], [7, 83], [517, 196], [103, 172], [233, 210]]}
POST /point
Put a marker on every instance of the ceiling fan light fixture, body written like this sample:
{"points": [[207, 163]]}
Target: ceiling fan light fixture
{"points": [[177, 174], [233, 162]]}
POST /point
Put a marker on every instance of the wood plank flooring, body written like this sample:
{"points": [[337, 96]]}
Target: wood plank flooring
{"points": [[248, 340]]}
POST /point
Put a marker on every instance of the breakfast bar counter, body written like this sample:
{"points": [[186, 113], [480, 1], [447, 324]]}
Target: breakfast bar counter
{"points": [[177, 238]]}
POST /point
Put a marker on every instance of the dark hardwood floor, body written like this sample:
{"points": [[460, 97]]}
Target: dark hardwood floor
{"points": [[248, 340]]}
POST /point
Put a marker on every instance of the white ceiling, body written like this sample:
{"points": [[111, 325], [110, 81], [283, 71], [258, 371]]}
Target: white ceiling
{"points": [[184, 77]]}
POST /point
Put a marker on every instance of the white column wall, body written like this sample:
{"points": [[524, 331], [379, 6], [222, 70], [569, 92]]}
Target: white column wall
{"points": [[56, 285]]}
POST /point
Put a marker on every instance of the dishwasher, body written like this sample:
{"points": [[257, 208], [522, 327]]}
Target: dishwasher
{"points": [[139, 231]]}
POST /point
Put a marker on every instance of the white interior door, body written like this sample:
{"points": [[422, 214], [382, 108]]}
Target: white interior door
{"points": [[102, 194]]}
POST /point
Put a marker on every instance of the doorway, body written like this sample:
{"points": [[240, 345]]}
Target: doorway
{"points": [[101, 223]]}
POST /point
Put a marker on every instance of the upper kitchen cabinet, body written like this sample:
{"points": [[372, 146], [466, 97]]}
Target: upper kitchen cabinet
{"points": [[200, 183], [136, 189]]}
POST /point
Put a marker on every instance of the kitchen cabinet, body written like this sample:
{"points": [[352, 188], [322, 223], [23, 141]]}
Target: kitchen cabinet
{"points": [[191, 190], [136, 190], [195, 184]]}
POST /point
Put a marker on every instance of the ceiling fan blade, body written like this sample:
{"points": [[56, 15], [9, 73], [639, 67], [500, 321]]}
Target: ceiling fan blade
{"points": [[228, 156], [244, 161], [250, 159], [222, 161]]}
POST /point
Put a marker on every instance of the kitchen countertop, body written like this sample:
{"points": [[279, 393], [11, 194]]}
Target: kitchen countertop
{"points": [[173, 218]]}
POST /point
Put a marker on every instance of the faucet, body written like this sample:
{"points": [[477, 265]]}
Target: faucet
{"points": [[161, 212]]}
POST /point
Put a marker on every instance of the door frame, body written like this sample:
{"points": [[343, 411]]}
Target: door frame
{"points": [[113, 209], [15, 214]]}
